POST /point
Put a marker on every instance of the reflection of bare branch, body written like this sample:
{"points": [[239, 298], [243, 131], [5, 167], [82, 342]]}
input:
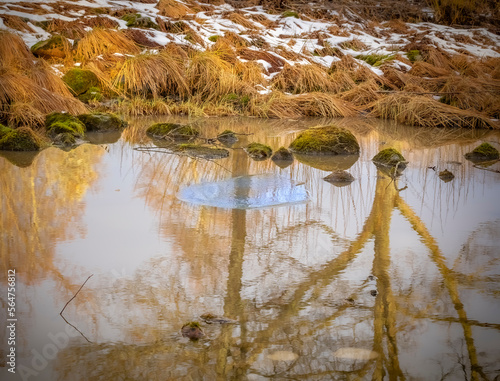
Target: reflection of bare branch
{"points": [[74, 296]]}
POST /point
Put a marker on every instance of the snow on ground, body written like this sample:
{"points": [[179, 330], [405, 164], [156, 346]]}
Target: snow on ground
{"points": [[301, 36]]}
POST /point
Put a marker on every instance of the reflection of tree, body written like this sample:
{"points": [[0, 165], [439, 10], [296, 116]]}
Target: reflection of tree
{"points": [[41, 205], [304, 315]]}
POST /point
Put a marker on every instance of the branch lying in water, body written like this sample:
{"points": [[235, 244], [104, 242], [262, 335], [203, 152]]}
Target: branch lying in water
{"points": [[159, 150], [74, 296]]}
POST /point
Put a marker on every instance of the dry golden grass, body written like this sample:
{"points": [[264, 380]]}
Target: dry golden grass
{"points": [[17, 23], [25, 115], [43, 75], [210, 77], [279, 105], [104, 41], [424, 69], [472, 93], [13, 52], [354, 44], [152, 74], [424, 111], [234, 40], [363, 94], [173, 9], [250, 73], [243, 21], [298, 79], [139, 106]]}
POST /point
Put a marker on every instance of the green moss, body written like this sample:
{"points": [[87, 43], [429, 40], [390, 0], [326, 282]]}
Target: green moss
{"points": [[213, 38], [135, 20], [92, 94], [80, 81], [102, 121], [20, 139], [4, 130], [329, 140], [483, 152], [258, 151], [414, 55], [290, 14], [57, 123], [390, 157], [375, 59], [176, 131]]}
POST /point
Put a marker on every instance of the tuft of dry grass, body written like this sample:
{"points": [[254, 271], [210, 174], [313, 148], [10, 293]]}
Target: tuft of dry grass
{"points": [[104, 41], [241, 20], [152, 74], [354, 44], [299, 79], [253, 55], [173, 9], [13, 52], [279, 105], [43, 75], [424, 69], [210, 77], [423, 111], [139, 106], [17, 23], [363, 94]]}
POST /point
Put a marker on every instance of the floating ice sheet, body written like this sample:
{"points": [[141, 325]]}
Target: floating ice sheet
{"points": [[246, 192]]}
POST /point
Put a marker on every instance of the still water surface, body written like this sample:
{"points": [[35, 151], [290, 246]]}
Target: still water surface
{"points": [[375, 280]]}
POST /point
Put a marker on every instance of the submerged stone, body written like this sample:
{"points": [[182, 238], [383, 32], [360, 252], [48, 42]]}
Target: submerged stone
{"points": [[192, 330], [246, 192], [20, 139], [204, 152], [391, 161], [339, 178], [102, 121], [172, 130], [329, 140], [258, 151], [283, 155], [227, 137], [446, 175], [483, 152], [214, 319]]}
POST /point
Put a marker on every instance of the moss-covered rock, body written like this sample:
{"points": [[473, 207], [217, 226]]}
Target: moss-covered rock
{"points": [[54, 47], [258, 151], [201, 151], [80, 81], [192, 330], [328, 140], [390, 157], [227, 137], [102, 121], [92, 94], [339, 178], [64, 140], [483, 152], [58, 123], [20, 139], [4, 130], [135, 20], [172, 130], [446, 175]]}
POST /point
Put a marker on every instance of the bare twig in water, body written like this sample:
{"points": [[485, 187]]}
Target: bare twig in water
{"points": [[486, 169], [159, 150], [74, 296]]}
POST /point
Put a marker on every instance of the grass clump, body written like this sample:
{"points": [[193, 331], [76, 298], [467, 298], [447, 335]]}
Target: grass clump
{"points": [[213, 38], [173, 130], [58, 123], [483, 152], [414, 55], [258, 151], [329, 140], [102, 121], [20, 139], [290, 14], [299, 79], [104, 41]]}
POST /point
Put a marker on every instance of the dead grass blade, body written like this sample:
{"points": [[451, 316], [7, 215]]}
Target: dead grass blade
{"points": [[298, 79], [13, 52]]}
